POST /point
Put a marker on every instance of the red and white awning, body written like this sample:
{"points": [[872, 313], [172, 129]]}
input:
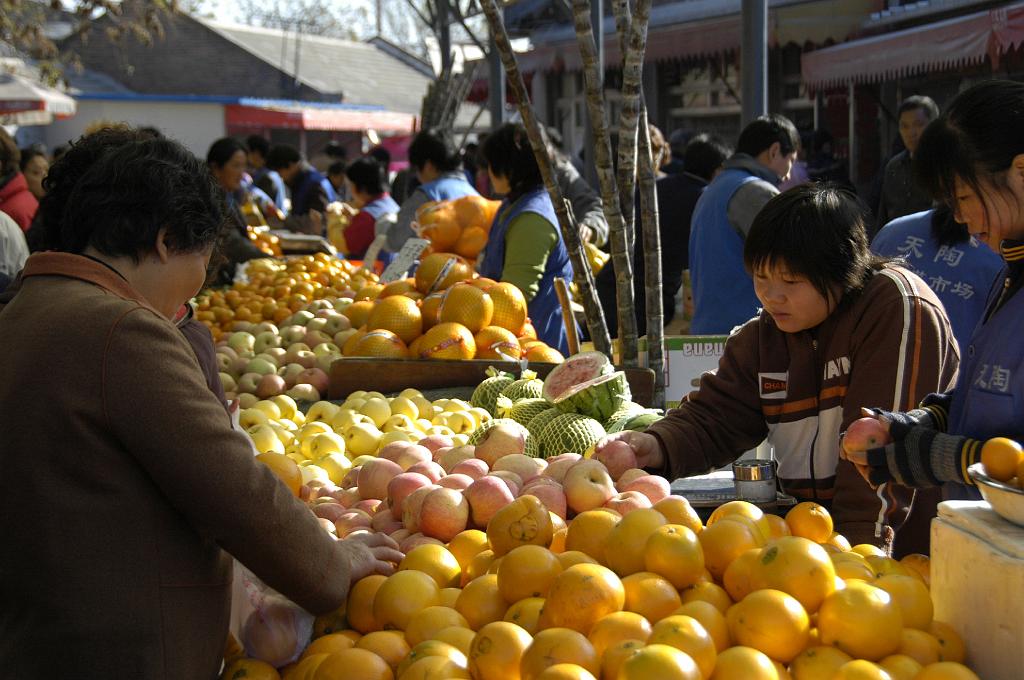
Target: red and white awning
{"points": [[279, 115], [24, 101]]}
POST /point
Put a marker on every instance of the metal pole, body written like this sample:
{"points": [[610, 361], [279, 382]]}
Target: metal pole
{"points": [[754, 54], [496, 85], [590, 164], [851, 98], [444, 35]]}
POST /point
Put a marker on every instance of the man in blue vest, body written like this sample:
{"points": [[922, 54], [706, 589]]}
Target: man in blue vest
{"points": [[723, 292], [438, 166], [310, 191]]}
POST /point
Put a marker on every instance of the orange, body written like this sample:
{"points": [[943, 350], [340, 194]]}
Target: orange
{"points": [[687, 635], [911, 597], [773, 526], [542, 354], [707, 592], [558, 539], [458, 637], [659, 661], [799, 567], [431, 648], [554, 646], [389, 645], [900, 667], [358, 312], [360, 603], [430, 306], [443, 235], [743, 663], [368, 292], [674, 553], [353, 663], [509, 307], [497, 343], [624, 547], [524, 521], [497, 650], [526, 613], [439, 271], [467, 305], [478, 566], [707, 615], [950, 643], [811, 521], [303, 669], [381, 344], [471, 241], [919, 646], [527, 571], [571, 557], [432, 667], [615, 655], [743, 576], [742, 508], [436, 561], [677, 510], [771, 621], [860, 669], [565, 671], [1000, 457], [401, 596], [580, 596], [782, 671], [818, 662], [249, 669], [481, 602], [884, 565], [286, 469], [589, 531], [426, 623], [472, 210], [447, 341], [616, 627], [850, 565], [837, 541], [919, 565], [861, 620], [724, 541], [946, 670], [867, 550], [466, 545], [349, 348], [399, 287], [328, 644], [397, 314], [650, 595]]}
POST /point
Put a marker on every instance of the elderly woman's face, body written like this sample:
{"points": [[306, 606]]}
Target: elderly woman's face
{"points": [[229, 175]]}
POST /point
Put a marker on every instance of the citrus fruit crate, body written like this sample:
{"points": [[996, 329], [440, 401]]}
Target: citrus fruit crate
{"points": [[393, 375]]}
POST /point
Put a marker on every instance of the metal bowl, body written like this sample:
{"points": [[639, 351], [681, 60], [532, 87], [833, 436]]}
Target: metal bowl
{"points": [[1006, 500]]}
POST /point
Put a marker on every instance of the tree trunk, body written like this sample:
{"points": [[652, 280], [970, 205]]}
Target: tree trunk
{"points": [[583, 276], [594, 79], [652, 262], [633, 38]]}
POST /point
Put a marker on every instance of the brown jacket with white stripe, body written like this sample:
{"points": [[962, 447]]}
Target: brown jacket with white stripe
{"points": [[887, 347]]}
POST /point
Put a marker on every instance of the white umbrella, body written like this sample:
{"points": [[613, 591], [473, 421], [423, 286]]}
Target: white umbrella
{"points": [[24, 101]]}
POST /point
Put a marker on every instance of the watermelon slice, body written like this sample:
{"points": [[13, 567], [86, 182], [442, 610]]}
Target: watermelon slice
{"points": [[598, 398], [575, 370]]}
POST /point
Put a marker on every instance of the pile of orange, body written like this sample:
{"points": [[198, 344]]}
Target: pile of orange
{"points": [[460, 226], [633, 597]]}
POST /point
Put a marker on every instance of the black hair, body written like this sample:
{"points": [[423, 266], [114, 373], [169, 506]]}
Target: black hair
{"points": [[151, 132], [679, 140], [59, 151], [335, 150], [10, 154], [259, 144], [975, 140], [382, 155], [281, 156], [926, 104], [222, 150], [704, 154], [762, 132], [115, 189], [337, 168], [367, 175], [815, 231], [434, 145], [27, 154], [507, 152], [945, 229]]}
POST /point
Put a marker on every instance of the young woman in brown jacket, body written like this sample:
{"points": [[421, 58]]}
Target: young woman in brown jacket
{"points": [[124, 491]]}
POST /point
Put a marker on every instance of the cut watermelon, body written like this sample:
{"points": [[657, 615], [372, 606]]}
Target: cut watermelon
{"points": [[598, 398], [575, 370]]}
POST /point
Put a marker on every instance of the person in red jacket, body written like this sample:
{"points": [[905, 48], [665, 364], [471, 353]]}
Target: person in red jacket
{"points": [[15, 198]]}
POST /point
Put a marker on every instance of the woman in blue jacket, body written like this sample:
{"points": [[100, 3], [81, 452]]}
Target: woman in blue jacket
{"points": [[971, 158]]}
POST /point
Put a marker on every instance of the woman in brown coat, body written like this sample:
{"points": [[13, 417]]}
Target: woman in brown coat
{"points": [[123, 488]]}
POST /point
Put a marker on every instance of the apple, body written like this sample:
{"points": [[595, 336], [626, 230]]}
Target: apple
{"points": [[328, 526], [242, 327], [348, 496], [300, 318], [391, 450], [270, 385], [316, 324], [655, 487], [617, 456], [290, 373], [336, 323], [471, 467], [249, 382], [275, 355], [227, 382], [415, 540], [429, 468], [351, 521], [314, 377], [413, 455], [399, 422], [444, 514], [246, 400], [224, 350], [261, 366], [384, 522], [587, 485], [303, 392], [224, 362], [526, 467], [559, 465], [324, 362], [436, 441], [314, 338], [411, 507], [265, 341], [501, 440], [237, 366], [266, 327], [326, 348], [865, 434], [341, 337], [628, 501], [511, 479], [293, 334], [457, 482], [400, 535], [242, 342], [332, 511], [374, 477], [628, 476], [399, 488], [368, 505], [486, 496], [448, 458], [551, 495]]}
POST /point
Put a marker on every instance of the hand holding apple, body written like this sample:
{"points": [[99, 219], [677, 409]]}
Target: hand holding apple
{"points": [[645, 447], [863, 435]]}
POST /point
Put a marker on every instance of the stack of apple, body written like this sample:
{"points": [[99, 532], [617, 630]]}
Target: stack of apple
{"points": [[432, 490], [261, 360]]}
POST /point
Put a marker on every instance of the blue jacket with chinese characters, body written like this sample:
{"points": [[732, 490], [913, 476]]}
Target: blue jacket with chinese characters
{"points": [[961, 275]]}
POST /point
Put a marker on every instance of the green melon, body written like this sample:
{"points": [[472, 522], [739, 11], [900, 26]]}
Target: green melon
{"points": [[628, 409], [541, 420], [529, 386], [570, 432], [524, 410], [636, 422], [598, 398], [487, 392]]}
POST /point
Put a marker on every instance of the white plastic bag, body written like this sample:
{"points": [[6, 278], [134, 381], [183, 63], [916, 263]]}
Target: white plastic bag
{"points": [[270, 627]]}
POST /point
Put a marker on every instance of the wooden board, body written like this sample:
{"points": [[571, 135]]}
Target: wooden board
{"points": [[394, 375]]}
